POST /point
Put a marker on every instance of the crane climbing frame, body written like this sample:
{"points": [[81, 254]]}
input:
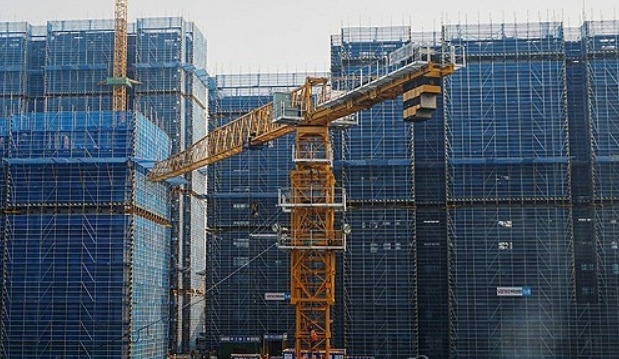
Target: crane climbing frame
{"points": [[312, 237]]}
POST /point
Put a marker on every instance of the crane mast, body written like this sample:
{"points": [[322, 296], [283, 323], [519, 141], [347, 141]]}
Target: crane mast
{"points": [[312, 237], [119, 96], [119, 80]]}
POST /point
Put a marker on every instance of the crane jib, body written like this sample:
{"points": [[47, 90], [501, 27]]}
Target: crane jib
{"points": [[270, 122]]}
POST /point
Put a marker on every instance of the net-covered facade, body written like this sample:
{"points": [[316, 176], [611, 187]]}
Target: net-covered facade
{"points": [[80, 277], [374, 164], [488, 231], [508, 177], [170, 62], [595, 222], [65, 155], [528, 131]]}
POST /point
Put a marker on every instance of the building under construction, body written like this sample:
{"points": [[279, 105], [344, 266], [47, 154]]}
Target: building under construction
{"points": [[488, 231], [484, 232], [97, 261]]}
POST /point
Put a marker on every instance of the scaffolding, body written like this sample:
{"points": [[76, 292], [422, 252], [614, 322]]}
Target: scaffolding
{"points": [[601, 49], [78, 56], [514, 88], [80, 277], [597, 267], [169, 62], [508, 167], [13, 66], [374, 163], [510, 281], [61, 67]]}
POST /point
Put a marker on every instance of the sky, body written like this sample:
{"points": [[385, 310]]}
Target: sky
{"points": [[294, 36]]}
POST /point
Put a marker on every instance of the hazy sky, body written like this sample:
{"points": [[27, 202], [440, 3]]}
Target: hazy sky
{"points": [[292, 35]]}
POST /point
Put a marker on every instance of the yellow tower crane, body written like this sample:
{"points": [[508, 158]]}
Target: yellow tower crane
{"points": [[308, 111], [313, 199], [119, 80]]}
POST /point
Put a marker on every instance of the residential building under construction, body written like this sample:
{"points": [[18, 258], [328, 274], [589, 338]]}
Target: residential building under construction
{"points": [[487, 231], [99, 262], [483, 232]]}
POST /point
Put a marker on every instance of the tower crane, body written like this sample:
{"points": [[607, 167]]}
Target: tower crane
{"points": [[309, 111], [119, 80], [313, 199]]}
